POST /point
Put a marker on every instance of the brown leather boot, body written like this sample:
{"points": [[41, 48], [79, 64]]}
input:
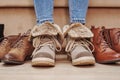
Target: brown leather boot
{"points": [[103, 53], [21, 49], [6, 43], [112, 37]]}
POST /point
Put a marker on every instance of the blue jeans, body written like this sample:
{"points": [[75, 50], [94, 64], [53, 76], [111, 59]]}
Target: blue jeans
{"points": [[77, 10]]}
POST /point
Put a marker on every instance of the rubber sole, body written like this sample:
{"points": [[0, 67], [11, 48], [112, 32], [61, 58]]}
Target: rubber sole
{"points": [[83, 61], [43, 62], [12, 62], [109, 61]]}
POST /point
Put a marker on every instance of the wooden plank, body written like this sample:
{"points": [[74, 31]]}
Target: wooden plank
{"points": [[18, 20], [63, 70], [61, 3]]}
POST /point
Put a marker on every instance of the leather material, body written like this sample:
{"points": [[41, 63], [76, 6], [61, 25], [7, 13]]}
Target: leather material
{"points": [[103, 53], [113, 38], [6, 44], [22, 48]]}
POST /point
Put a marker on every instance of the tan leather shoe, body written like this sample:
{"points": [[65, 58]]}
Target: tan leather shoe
{"points": [[46, 42], [112, 37], [103, 53], [22, 49], [6, 44], [77, 46]]}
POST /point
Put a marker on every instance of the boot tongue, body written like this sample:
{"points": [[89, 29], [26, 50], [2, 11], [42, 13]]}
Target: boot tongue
{"points": [[72, 43], [47, 40]]}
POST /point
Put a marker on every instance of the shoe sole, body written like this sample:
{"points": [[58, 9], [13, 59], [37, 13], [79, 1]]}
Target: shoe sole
{"points": [[83, 61], [12, 62], [43, 62], [109, 61]]}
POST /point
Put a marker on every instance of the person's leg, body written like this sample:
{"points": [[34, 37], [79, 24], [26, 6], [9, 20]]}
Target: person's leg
{"points": [[78, 10], [44, 10], [44, 35], [77, 34]]}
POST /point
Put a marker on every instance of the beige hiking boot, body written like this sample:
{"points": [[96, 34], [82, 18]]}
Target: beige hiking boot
{"points": [[45, 40], [76, 44]]}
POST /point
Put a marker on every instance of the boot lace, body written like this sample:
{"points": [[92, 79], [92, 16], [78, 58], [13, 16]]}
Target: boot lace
{"points": [[19, 43], [103, 44], [51, 41], [72, 43], [117, 37], [4, 42]]}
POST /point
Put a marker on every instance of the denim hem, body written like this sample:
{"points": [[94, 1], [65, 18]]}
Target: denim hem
{"points": [[44, 20], [83, 21]]}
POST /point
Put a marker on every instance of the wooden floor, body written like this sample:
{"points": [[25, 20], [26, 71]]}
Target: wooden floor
{"points": [[63, 70]]}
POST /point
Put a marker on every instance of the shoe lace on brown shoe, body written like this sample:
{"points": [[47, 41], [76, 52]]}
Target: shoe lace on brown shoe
{"points": [[4, 47], [118, 33], [112, 37], [117, 38], [19, 43], [116, 41], [101, 42], [103, 52], [20, 50], [6, 44]]}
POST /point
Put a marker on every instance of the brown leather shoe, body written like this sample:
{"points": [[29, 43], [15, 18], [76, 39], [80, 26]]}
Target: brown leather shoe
{"points": [[19, 52], [112, 37], [6, 43], [103, 53]]}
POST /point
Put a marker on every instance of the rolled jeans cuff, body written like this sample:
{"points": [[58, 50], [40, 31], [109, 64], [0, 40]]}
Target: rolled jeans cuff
{"points": [[44, 20], [74, 20]]}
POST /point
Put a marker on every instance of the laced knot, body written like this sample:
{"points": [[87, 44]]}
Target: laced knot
{"points": [[43, 40], [72, 43], [101, 42]]}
